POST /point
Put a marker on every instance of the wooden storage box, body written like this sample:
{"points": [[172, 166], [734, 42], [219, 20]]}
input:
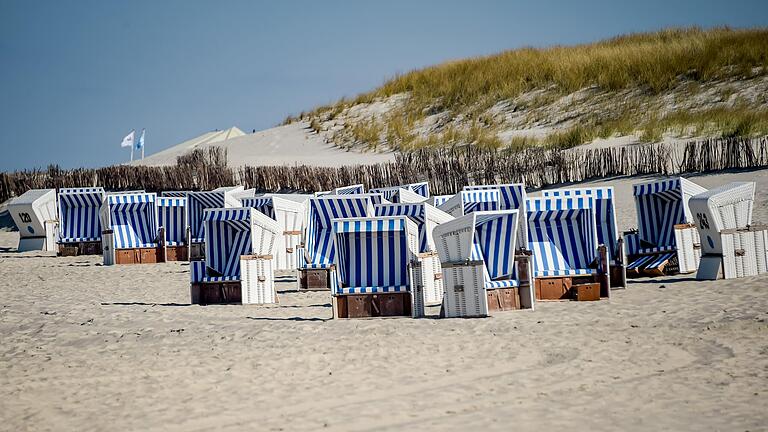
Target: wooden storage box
{"points": [[176, 253], [80, 248], [586, 291], [315, 279], [139, 256], [216, 293], [553, 288], [503, 299], [372, 305]]}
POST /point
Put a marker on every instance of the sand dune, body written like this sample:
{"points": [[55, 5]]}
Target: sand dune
{"points": [[87, 347], [293, 144]]}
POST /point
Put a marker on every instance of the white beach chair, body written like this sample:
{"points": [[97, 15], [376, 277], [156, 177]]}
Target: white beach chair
{"points": [[290, 216], [731, 246], [468, 201], [426, 217], [79, 225], [568, 261], [607, 228], [373, 272], [668, 241], [315, 258], [481, 272], [130, 233], [172, 217], [197, 203], [239, 265], [34, 213]]}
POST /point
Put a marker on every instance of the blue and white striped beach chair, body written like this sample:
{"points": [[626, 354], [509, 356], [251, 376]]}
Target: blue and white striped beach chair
{"points": [[438, 200], [197, 203], [290, 215], [318, 252], [349, 190], [426, 218], [416, 192], [468, 201], [563, 236], [662, 209], [172, 217], [373, 273], [480, 271], [174, 194], [511, 197], [607, 228], [130, 229], [79, 224], [238, 265]]}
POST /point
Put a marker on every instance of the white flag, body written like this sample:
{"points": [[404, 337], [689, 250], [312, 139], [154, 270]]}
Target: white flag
{"points": [[128, 140]]}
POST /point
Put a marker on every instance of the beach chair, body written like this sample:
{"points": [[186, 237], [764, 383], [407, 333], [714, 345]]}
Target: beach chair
{"points": [[480, 268], [438, 200], [468, 201], [79, 225], [239, 265], [315, 257], [34, 213], [511, 197], [416, 192], [348, 190], [290, 216], [668, 240], [373, 271], [197, 203], [172, 217], [732, 247], [426, 217], [130, 233], [174, 194], [568, 261], [607, 228]]}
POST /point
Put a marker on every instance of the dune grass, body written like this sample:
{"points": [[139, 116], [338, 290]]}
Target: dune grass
{"points": [[651, 62]]}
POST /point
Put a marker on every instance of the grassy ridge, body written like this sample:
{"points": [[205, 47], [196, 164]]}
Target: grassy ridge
{"points": [[654, 63]]}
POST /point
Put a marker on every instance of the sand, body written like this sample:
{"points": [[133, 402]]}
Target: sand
{"points": [[292, 144], [86, 347]]}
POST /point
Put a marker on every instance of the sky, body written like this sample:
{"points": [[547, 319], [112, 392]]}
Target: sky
{"points": [[76, 76]]}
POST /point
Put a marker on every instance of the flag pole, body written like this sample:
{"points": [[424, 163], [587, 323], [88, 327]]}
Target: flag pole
{"points": [[131, 152]]}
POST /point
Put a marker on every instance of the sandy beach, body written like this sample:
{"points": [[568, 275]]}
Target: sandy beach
{"points": [[89, 348]]}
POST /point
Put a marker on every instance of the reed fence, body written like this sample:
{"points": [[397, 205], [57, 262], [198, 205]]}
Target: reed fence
{"points": [[446, 169]]}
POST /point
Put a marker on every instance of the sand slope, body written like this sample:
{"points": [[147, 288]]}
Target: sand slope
{"points": [[293, 144], [86, 347]]}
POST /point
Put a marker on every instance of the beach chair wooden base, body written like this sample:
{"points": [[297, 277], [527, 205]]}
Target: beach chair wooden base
{"points": [[176, 253], [139, 256], [372, 305], [503, 299], [197, 251], [314, 280], [80, 248], [553, 288], [216, 293], [586, 291]]}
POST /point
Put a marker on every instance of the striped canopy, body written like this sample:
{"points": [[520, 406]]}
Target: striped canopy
{"points": [[489, 237], [79, 214], [319, 246], [172, 215], [132, 218], [468, 201], [511, 197], [425, 216], [438, 200], [262, 204], [198, 202], [660, 206], [562, 234], [374, 254], [349, 190], [233, 232], [607, 229], [421, 188], [174, 194]]}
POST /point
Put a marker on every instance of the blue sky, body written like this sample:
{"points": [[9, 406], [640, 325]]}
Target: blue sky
{"points": [[75, 76]]}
